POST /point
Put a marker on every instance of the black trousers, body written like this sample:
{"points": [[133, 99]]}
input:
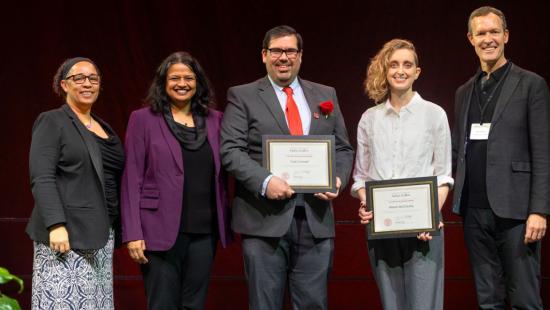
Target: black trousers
{"points": [[178, 278], [504, 267]]}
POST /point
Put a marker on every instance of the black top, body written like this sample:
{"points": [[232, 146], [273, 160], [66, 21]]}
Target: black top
{"points": [[112, 155], [482, 106], [199, 207], [199, 203], [190, 139]]}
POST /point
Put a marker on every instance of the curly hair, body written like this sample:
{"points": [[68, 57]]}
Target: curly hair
{"points": [[376, 84], [157, 97]]}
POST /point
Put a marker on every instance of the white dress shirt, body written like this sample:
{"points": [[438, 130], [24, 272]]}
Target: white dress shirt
{"points": [[303, 109], [414, 142]]}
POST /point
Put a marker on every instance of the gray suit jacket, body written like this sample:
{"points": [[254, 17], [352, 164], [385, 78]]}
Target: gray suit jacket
{"points": [[518, 148], [252, 111]]}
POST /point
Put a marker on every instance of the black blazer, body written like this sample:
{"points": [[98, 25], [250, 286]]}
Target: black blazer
{"points": [[66, 172], [518, 148]]}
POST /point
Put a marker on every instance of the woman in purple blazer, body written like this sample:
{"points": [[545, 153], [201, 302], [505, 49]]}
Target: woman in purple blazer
{"points": [[174, 205]]}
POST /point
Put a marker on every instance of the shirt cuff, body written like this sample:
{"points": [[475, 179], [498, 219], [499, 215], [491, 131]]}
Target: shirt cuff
{"points": [[264, 184], [357, 185], [443, 179]]}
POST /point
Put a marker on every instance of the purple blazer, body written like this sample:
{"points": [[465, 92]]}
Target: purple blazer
{"points": [[152, 183]]}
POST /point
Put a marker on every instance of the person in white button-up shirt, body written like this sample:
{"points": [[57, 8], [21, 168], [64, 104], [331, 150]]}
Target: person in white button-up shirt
{"points": [[403, 136]]}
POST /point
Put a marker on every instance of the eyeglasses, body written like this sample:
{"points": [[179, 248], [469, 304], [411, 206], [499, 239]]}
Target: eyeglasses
{"points": [[278, 52], [81, 78]]}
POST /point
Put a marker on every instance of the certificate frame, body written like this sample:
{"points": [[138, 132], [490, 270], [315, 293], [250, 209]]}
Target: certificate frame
{"points": [[317, 150], [418, 195]]}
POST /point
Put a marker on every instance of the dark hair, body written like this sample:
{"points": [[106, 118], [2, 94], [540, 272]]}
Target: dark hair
{"points": [[64, 69], [484, 11], [279, 32], [204, 95]]}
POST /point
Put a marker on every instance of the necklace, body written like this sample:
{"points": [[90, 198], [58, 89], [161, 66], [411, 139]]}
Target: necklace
{"points": [[89, 125], [182, 117]]}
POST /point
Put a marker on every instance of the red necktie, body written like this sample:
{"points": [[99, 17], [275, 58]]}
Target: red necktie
{"points": [[292, 114]]}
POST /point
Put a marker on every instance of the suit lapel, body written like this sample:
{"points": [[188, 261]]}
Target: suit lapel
{"points": [[508, 87], [313, 101], [91, 144], [465, 109], [172, 142], [267, 95]]}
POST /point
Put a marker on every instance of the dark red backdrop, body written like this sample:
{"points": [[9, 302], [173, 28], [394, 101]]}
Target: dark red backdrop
{"points": [[128, 39]]}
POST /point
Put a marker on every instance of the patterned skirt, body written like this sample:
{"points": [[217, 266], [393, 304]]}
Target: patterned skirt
{"points": [[77, 280]]}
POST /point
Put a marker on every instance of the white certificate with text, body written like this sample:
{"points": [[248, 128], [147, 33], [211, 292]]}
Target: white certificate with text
{"points": [[306, 163], [403, 207]]}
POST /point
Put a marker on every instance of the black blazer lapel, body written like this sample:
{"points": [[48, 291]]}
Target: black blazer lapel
{"points": [[466, 104], [267, 94], [91, 145], [464, 110], [508, 87]]}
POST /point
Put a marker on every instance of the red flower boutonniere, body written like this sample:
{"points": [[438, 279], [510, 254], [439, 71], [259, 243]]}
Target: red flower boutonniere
{"points": [[326, 108]]}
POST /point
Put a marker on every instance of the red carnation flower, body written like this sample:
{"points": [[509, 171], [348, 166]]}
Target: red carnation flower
{"points": [[326, 108]]}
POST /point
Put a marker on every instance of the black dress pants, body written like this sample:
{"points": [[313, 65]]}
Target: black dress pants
{"points": [[505, 269], [178, 278]]}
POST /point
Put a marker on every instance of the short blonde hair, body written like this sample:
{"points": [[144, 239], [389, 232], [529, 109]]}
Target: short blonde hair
{"points": [[376, 84]]}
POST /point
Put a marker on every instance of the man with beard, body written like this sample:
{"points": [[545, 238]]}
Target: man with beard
{"points": [[501, 148], [284, 235]]}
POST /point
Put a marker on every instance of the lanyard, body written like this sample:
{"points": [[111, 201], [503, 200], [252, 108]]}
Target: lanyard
{"points": [[484, 107]]}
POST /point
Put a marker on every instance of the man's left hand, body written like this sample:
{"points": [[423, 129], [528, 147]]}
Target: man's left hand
{"points": [[535, 228], [328, 196]]}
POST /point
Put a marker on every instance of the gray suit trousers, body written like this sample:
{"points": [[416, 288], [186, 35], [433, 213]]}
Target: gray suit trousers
{"points": [[409, 272], [297, 257]]}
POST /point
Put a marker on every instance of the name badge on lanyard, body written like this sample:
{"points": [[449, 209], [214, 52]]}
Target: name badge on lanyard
{"points": [[480, 131]]}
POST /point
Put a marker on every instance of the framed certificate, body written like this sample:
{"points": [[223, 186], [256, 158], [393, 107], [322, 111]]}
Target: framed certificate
{"points": [[402, 207], [306, 163]]}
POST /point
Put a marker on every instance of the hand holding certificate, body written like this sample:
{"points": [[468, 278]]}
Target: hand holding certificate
{"points": [[306, 163], [402, 207]]}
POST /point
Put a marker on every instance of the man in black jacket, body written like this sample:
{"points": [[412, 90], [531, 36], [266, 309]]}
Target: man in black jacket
{"points": [[501, 150]]}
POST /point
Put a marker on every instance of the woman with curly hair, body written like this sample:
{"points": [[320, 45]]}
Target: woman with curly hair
{"points": [[403, 136], [174, 202]]}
